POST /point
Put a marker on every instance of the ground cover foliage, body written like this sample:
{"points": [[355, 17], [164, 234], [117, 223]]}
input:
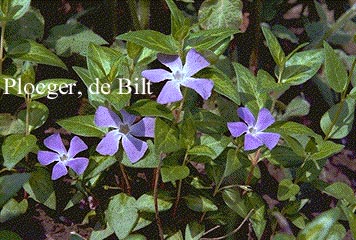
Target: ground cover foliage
{"points": [[215, 119]]}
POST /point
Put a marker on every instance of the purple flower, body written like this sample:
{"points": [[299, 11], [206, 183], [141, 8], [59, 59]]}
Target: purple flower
{"points": [[123, 129], [63, 157], [180, 75], [255, 137]]}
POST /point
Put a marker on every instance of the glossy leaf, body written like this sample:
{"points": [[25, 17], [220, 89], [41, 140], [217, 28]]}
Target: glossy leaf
{"points": [[13, 9], [122, 214], [166, 137], [287, 190], [337, 122], [49, 88], [335, 70], [38, 114], [194, 231], [221, 14], [13, 209], [340, 190], [29, 50], [10, 185], [82, 126], [146, 203], [200, 203], [40, 188], [153, 40], [16, 147], [274, 47], [174, 173], [146, 107]]}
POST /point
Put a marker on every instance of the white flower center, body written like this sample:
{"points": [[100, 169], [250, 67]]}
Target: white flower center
{"points": [[179, 76], [252, 130], [124, 128], [63, 158]]}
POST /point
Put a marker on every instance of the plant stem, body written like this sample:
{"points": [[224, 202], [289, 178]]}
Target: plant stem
{"points": [[234, 231], [155, 195], [2, 41], [27, 121], [180, 187], [126, 179], [254, 162], [133, 11]]}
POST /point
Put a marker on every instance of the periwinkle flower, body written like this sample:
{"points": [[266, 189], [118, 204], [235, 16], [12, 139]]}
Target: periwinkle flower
{"points": [[180, 75], [255, 135], [126, 130], [63, 157]]}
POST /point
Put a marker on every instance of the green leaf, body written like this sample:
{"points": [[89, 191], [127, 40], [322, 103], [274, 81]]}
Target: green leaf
{"points": [[72, 37], [16, 147], [13, 209], [201, 150], [38, 114], [8, 235], [187, 132], [49, 87], [208, 39], [145, 203], [319, 228], [248, 86], [335, 70], [40, 188], [302, 66], [180, 25], [222, 83], [174, 173], [153, 40], [101, 234], [208, 122], [287, 190], [337, 122], [282, 32], [29, 50], [147, 107], [135, 237], [13, 9], [82, 126], [337, 231], [98, 164], [351, 218], [30, 26], [10, 185], [274, 47], [284, 156], [292, 128], [220, 14], [101, 60], [296, 108], [340, 190], [10, 125], [283, 236], [166, 137], [194, 231], [200, 203], [122, 214], [232, 163], [326, 149], [149, 160], [233, 200], [216, 143]]}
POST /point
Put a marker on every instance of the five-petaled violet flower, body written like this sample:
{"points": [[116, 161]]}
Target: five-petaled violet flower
{"points": [[180, 75], [255, 137], [126, 130], [63, 157]]}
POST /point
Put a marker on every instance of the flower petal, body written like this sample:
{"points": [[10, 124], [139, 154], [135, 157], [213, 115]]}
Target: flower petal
{"points": [[170, 93], [47, 157], [251, 142], [156, 75], [194, 63], [76, 146], [264, 120], [127, 118], [110, 143], [171, 61], [134, 148], [78, 164], [55, 143], [269, 139], [202, 86], [144, 128], [237, 128], [246, 115], [59, 170], [104, 117]]}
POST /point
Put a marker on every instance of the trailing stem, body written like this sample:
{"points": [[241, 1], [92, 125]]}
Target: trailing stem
{"points": [[179, 191], [155, 196], [254, 162]]}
